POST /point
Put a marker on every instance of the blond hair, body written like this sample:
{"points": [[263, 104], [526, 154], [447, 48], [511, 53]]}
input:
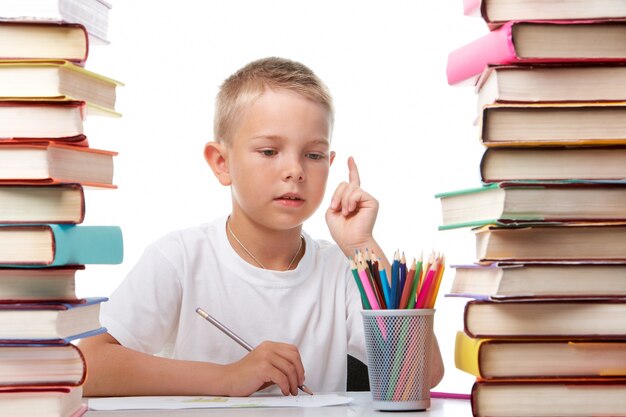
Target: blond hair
{"points": [[248, 84]]}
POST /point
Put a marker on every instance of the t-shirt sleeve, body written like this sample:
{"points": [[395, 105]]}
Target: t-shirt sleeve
{"points": [[354, 323], [142, 313]]}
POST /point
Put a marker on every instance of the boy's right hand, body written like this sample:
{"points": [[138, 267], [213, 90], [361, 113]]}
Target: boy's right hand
{"points": [[269, 363]]}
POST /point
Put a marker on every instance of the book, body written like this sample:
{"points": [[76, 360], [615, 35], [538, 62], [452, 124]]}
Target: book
{"points": [[549, 398], [37, 121], [558, 319], [57, 245], [57, 80], [39, 284], [519, 202], [497, 12], [551, 83], [554, 242], [502, 280], [56, 163], [536, 42], [42, 365], [33, 323], [43, 40], [498, 359], [42, 401], [549, 124], [93, 14], [63, 203], [558, 163]]}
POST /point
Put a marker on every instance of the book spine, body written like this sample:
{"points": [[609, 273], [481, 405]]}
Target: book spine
{"points": [[465, 64]]}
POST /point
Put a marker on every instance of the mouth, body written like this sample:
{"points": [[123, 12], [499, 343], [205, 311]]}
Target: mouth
{"points": [[290, 200], [290, 197]]}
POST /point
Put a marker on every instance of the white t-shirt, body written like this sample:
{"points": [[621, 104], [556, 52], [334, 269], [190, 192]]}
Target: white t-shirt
{"points": [[315, 306]]}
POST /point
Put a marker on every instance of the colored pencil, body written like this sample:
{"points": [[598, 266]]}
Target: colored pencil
{"points": [[355, 274]]}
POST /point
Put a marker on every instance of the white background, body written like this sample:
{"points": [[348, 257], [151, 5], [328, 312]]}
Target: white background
{"points": [[411, 134]]}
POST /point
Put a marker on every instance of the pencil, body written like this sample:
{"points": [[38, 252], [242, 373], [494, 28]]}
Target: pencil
{"points": [[385, 281], [355, 274], [408, 286], [394, 280], [237, 339], [379, 284]]}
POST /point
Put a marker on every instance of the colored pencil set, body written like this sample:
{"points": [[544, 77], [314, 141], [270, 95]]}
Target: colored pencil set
{"points": [[404, 287]]}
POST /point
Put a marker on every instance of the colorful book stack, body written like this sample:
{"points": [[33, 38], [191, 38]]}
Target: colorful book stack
{"points": [[545, 331], [45, 161]]}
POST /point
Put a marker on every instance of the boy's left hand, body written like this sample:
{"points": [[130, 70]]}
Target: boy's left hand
{"points": [[352, 213]]}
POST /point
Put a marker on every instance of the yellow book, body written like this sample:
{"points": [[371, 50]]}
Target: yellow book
{"points": [[541, 358], [57, 80]]}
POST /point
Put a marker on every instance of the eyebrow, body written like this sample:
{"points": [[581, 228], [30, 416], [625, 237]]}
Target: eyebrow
{"points": [[280, 138]]}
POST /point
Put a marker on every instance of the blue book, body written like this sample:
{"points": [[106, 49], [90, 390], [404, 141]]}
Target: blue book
{"points": [[49, 322], [57, 244]]}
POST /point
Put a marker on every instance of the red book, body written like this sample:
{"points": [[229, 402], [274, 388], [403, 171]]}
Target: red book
{"points": [[42, 121]]}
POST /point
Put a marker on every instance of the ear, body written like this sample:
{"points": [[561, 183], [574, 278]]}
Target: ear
{"points": [[216, 156], [332, 157]]}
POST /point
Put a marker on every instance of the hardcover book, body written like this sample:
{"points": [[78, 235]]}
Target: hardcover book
{"points": [[42, 401], [501, 359], [36, 121], [502, 280], [43, 40], [39, 284], [34, 323], [42, 204], [537, 42], [93, 14], [562, 319], [42, 365], [553, 164], [519, 202], [549, 398], [497, 12], [552, 124], [554, 242], [55, 163], [57, 80], [551, 83], [56, 245]]}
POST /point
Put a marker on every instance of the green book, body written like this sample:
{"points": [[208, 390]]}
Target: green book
{"points": [[510, 203], [56, 245]]}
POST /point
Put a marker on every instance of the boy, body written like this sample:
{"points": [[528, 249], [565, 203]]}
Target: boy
{"points": [[255, 270]]}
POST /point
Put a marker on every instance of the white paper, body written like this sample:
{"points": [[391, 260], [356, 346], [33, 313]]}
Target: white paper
{"points": [[180, 402]]}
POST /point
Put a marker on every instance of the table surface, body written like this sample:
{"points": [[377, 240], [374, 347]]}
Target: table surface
{"points": [[361, 407]]}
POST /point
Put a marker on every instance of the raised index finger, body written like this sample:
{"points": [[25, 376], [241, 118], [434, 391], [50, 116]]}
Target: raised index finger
{"points": [[354, 172]]}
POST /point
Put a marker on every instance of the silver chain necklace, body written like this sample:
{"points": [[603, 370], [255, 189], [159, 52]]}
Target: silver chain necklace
{"points": [[254, 257]]}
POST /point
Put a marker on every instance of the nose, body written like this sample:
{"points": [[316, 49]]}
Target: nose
{"points": [[293, 169]]}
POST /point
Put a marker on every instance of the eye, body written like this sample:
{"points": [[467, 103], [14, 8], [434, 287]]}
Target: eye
{"points": [[315, 156], [267, 152]]}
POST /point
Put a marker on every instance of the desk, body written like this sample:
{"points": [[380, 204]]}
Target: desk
{"points": [[360, 407]]}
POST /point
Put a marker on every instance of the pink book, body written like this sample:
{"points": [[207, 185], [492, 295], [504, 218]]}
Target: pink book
{"points": [[526, 42]]}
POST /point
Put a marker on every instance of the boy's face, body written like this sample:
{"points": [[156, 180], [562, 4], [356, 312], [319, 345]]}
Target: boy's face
{"points": [[278, 159]]}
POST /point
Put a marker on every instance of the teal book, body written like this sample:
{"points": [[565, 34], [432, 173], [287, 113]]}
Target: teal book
{"points": [[57, 244], [512, 203]]}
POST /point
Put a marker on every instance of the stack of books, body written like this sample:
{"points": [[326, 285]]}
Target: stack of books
{"points": [[45, 162], [545, 330]]}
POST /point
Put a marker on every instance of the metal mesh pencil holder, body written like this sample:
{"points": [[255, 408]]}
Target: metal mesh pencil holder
{"points": [[399, 346]]}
